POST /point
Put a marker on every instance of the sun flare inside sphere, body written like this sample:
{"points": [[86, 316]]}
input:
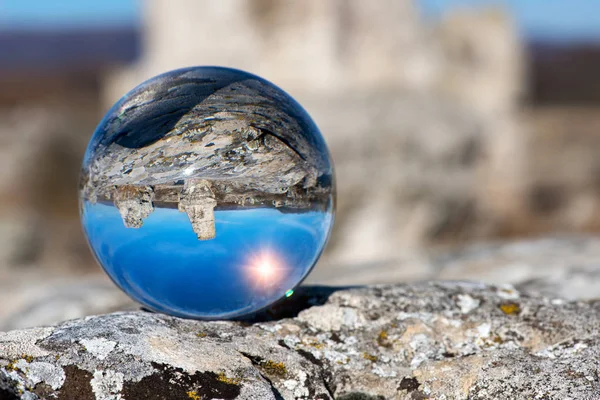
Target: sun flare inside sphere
{"points": [[266, 268]]}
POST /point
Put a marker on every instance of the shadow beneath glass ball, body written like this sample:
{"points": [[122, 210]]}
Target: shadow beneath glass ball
{"points": [[289, 307], [303, 297]]}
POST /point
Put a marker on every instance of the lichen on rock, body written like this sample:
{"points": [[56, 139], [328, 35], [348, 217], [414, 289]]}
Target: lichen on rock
{"points": [[431, 340]]}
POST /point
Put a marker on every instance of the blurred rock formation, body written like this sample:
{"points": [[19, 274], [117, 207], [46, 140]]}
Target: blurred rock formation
{"points": [[425, 119], [41, 151], [421, 118]]}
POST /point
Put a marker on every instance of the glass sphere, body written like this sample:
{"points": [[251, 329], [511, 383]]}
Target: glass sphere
{"points": [[207, 193]]}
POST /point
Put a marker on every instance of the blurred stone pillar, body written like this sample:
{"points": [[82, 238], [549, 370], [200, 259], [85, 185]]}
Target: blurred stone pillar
{"points": [[485, 74], [309, 46]]}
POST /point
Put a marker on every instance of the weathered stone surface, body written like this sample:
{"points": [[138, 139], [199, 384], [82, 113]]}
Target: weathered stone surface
{"points": [[432, 340]]}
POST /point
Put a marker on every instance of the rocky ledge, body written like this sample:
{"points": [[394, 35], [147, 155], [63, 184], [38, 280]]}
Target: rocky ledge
{"points": [[431, 340]]}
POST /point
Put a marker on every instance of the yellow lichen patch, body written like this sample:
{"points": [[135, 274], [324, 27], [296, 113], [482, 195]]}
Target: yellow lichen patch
{"points": [[231, 381], [11, 365], [314, 343], [193, 395], [201, 334], [383, 339], [370, 357], [275, 368], [510, 308]]}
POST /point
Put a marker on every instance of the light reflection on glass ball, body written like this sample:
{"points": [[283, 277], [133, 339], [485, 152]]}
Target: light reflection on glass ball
{"points": [[266, 268], [207, 193]]}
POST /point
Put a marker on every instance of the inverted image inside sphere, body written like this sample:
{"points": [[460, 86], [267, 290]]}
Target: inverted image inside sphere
{"points": [[207, 192]]}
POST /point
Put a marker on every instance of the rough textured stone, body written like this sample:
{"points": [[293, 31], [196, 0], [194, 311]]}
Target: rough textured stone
{"points": [[431, 340]]}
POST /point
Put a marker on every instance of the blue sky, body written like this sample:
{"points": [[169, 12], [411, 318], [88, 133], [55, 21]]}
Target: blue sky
{"points": [[551, 19], [44, 14]]}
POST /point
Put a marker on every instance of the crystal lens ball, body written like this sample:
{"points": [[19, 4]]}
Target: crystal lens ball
{"points": [[207, 193]]}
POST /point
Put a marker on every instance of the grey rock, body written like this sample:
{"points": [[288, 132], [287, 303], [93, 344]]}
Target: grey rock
{"points": [[430, 340]]}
